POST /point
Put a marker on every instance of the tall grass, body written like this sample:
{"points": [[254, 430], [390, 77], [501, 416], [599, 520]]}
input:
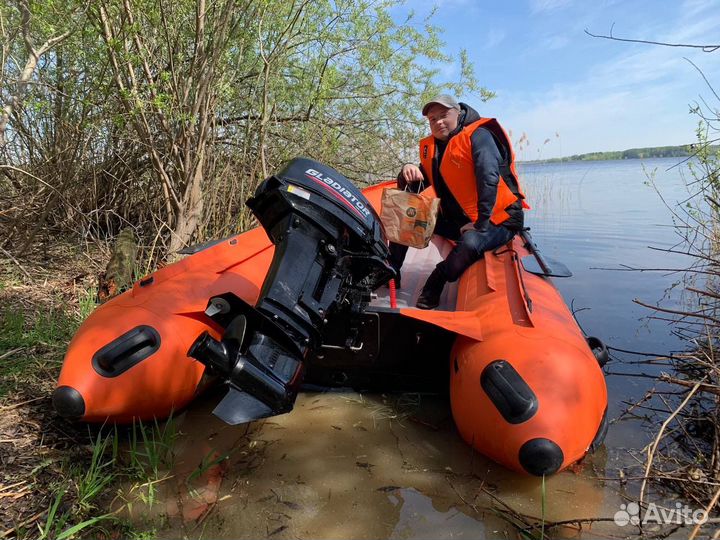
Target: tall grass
{"points": [[77, 505], [46, 328], [55, 524], [100, 474], [28, 344], [85, 485], [151, 457], [86, 303]]}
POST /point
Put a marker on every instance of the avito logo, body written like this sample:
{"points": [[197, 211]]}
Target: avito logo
{"points": [[629, 514]]}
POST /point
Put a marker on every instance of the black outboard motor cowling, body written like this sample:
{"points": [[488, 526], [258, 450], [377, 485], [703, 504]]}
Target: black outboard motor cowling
{"points": [[330, 253]]}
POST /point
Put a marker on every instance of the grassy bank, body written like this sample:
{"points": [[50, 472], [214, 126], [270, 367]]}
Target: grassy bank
{"points": [[55, 475], [62, 480]]}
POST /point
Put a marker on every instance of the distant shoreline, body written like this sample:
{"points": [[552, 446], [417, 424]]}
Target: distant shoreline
{"points": [[632, 153]]}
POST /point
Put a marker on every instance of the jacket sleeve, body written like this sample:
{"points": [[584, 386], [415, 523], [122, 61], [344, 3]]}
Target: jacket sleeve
{"points": [[487, 161]]}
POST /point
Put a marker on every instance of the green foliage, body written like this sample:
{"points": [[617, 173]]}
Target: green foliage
{"points": [[151, 446], [56, 523], [65, 522], [144, 461], [209, 460], [78, 504], [146, 113], [633, 153], [707, 163], [142, 535], [20, 338], [87, 303], [49, 328], [151, 455], [93, 480]]}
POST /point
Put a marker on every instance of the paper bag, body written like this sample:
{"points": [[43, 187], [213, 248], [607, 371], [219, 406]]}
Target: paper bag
{"points": [[408, 218]]}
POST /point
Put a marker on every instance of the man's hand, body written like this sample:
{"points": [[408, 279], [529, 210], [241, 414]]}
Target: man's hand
{"points": [[411, 173]]}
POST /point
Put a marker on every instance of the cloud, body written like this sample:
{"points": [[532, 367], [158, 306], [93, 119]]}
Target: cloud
{"points": [[691, 26], [556, 42], [424, 5], [665, 67], [539, 6], [494, 37], [695, 7], [610, 122], [638, 97], [609, 110], [699, 31], [449, 71]]}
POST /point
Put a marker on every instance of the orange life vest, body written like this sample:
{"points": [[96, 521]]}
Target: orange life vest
{"points": [[458, 170]]}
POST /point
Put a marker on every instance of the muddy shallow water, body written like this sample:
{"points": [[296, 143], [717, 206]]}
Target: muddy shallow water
{"points": [[345, 465]]}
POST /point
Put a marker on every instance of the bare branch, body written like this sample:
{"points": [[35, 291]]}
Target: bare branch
{"points": [[702, 387], [704, 78], [705, 48], [678, 312]]}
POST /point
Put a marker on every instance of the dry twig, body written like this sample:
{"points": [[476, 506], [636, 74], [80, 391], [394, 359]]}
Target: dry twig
{"points": [[659, 436]]}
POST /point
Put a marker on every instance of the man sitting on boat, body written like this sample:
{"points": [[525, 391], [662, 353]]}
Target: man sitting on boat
{"points": [[470, 162]]}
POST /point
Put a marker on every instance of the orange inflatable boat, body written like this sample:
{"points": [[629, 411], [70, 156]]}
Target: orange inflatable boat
{"points": [[302, 300]]}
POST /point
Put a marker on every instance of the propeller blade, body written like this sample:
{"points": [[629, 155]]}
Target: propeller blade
{"points": [[238, 407]]}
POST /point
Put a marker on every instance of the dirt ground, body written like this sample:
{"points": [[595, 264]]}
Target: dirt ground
{"points": [[35, 448], [41, 304]]}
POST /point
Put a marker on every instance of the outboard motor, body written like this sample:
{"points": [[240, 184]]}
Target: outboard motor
{"points": [[330, 253]]}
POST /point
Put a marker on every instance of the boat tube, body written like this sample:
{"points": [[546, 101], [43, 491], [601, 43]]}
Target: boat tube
{"points": [[301, 300]]}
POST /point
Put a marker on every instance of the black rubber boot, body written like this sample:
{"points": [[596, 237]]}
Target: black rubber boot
{"points": [[430, 295]]}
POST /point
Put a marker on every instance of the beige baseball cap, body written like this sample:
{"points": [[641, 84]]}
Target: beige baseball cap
{"points": [[445, 100]]}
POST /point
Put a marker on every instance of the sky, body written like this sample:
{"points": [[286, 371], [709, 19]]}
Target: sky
{"points": [[570, 93]]}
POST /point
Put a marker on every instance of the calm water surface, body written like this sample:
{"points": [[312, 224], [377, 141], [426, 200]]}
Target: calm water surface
{"points": [[344, 465], [602, 218]]}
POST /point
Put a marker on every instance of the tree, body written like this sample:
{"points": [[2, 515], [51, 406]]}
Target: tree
{"points": [[31, 34], [166, 115], [21, 21], [166, 62]]}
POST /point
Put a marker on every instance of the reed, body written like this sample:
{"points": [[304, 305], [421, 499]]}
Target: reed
{"points": [[684, 455]]}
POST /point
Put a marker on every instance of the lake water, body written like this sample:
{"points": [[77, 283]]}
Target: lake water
{"points": [[608, 221], [344, 465]]}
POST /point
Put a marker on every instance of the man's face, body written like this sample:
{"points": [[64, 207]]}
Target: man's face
{"points": [[442, 121]]}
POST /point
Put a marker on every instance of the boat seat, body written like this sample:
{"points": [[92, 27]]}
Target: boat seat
{"points": [[418, 265]]}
